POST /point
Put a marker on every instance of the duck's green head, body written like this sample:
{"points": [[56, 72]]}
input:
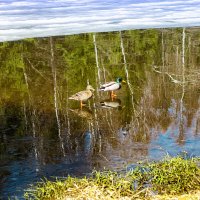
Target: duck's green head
{"points": [[120, 79]]}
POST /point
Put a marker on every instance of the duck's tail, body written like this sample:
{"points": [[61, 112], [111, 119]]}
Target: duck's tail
{"points": [[72, 97], [102, 88]]}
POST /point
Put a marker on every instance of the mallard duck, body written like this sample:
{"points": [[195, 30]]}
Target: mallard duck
{"points": [[83, 95], [113, 85]]}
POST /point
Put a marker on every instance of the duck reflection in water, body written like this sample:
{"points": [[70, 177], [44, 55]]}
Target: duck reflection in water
{"points": [[83, 113], [109, 104]]}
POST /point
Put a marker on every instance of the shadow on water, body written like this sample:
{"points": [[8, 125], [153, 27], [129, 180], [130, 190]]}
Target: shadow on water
{"points": [[44, 134]]}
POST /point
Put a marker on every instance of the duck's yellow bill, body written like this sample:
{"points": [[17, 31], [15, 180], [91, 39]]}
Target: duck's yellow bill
{"points": [[123, 81]]}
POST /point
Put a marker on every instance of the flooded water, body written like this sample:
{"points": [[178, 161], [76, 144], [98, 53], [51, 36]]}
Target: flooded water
{"points": [[155, 113]]}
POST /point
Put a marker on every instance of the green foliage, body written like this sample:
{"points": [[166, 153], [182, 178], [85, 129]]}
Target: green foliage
{"points": [[112, 181]]}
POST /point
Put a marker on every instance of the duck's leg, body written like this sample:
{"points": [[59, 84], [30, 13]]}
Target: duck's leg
{"points": [[112, 94], [81, 105]]}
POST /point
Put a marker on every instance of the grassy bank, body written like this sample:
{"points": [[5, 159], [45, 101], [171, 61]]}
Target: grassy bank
{"points": [[171, 178]]}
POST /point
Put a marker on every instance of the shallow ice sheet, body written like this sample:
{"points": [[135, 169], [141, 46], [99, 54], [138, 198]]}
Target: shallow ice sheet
{"points": [[27, 19]]}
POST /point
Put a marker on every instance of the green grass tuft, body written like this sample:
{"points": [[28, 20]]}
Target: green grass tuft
{"points": [[175, 176], [171, 176]]}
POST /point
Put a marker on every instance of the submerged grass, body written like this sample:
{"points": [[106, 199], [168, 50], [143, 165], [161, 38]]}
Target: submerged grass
{"points": [[172, 176]]}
